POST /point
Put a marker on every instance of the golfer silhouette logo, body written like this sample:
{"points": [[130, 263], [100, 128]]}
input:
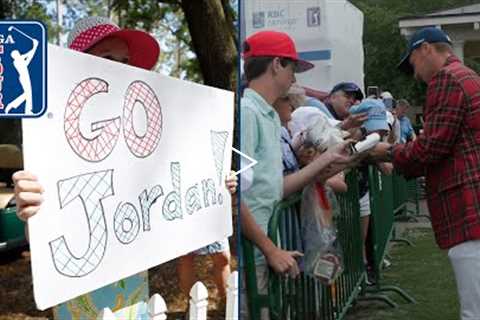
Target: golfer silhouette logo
{"points": [[22, 69]]}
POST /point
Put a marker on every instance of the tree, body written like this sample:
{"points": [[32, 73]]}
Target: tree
{"points": [[5, 9], [10, 128], [211, 27], [204, 26], [384, 45]]}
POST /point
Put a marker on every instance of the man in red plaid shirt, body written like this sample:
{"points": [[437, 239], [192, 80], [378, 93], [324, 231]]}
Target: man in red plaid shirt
{"points": [[448, 154]]}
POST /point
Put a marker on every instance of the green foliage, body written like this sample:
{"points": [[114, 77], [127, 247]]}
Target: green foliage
{"points": [[76, 9], [5, 9], [166, 21], [472, 63], [33, 10], [163, 18], [384, 46], [144, 14]]}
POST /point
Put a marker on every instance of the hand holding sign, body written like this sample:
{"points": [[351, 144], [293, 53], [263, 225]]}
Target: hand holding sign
{"points": [[132, 168]]}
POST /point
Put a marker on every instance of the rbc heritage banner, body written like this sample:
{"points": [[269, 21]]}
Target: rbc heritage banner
{"points": [[328, 33], [23, 67], [133, 164]]}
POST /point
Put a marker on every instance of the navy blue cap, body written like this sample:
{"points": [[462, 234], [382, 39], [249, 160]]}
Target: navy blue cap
{"points": [[430, 35], [348, 87]]}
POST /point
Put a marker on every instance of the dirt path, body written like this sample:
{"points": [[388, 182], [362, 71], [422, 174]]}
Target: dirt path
{"points": [[16, 292]]}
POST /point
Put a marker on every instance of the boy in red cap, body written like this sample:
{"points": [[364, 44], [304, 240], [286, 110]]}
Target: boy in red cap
{"points": [[271, 61]]}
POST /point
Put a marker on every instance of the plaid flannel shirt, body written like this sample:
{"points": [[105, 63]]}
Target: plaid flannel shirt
{"points": [[448, 154]]}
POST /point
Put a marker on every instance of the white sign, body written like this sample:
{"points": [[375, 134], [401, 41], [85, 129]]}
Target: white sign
{"points": [[133, 164], [327, 33]]}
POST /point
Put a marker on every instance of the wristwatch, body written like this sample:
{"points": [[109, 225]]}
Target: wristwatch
{"points": [[364, 132], [390, 153]]}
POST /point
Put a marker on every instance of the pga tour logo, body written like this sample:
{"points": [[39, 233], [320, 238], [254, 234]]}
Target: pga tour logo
{"points": [[258, 19], [23, 69], [313, 17]]}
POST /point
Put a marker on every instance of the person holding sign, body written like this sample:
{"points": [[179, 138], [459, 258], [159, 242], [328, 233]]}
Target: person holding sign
{"points": [[220, 253], [100, 37]]}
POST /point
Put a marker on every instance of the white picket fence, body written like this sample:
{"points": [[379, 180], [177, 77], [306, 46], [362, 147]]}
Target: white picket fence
{"points": [[157, 308]]}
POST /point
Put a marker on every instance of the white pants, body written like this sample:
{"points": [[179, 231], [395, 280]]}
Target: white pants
{"points": [[465, 259]]}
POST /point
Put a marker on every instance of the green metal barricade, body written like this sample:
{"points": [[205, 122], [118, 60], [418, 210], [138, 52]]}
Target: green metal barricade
{"points": [[413, 197], [400, 194], [281, 295], [305, 297], [406, 198], [416, 191], [12, 231], [291, 298], [382, 205], [348, 224], [255, 300], [382, 217]]}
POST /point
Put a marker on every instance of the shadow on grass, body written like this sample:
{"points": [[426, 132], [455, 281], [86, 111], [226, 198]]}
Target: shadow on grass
{"points": [[424, 272]]}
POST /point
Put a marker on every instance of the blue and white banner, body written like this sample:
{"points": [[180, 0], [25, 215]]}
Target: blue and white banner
{"points": [[327, 33]]}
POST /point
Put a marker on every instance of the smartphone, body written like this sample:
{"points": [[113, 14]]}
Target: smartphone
{"points": [[373, 91]]}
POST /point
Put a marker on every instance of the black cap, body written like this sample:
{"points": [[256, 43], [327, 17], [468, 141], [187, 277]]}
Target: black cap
{"points": [[348, 87], [430, 35]]}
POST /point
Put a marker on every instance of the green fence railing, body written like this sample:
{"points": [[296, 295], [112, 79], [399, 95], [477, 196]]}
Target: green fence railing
{"points": [[400, 194], [406, 198], [382, 200], [12, 231], [256, 301], [305, 297], [382, 217]]}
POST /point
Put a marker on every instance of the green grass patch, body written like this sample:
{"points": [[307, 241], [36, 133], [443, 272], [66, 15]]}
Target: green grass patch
{"points": [[424, 272]]}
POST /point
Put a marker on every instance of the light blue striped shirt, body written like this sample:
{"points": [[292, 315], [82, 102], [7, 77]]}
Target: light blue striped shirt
{"points": [[260, 139]]}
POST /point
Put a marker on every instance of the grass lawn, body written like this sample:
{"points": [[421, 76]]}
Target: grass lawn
{"points": [[422, 271]]}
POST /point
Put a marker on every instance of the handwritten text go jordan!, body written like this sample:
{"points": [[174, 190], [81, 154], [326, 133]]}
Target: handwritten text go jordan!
{"points": [[93, 187]]}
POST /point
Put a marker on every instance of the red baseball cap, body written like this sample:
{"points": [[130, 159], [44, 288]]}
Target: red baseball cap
{"points": [[143, 49], [274, 44]]}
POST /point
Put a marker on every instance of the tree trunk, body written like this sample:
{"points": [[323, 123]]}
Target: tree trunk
{"points": [[211, 30], [10, 129]]}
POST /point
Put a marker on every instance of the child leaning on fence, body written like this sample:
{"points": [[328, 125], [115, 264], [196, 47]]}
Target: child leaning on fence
{"points": [[376, 123], [102, 38], [313, 134]]}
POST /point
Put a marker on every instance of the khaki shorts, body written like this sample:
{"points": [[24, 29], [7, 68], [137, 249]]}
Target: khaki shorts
{"points": [[262, 285]]}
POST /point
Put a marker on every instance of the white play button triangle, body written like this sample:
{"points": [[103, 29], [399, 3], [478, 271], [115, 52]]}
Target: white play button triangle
{"points": [[251, 162]]}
